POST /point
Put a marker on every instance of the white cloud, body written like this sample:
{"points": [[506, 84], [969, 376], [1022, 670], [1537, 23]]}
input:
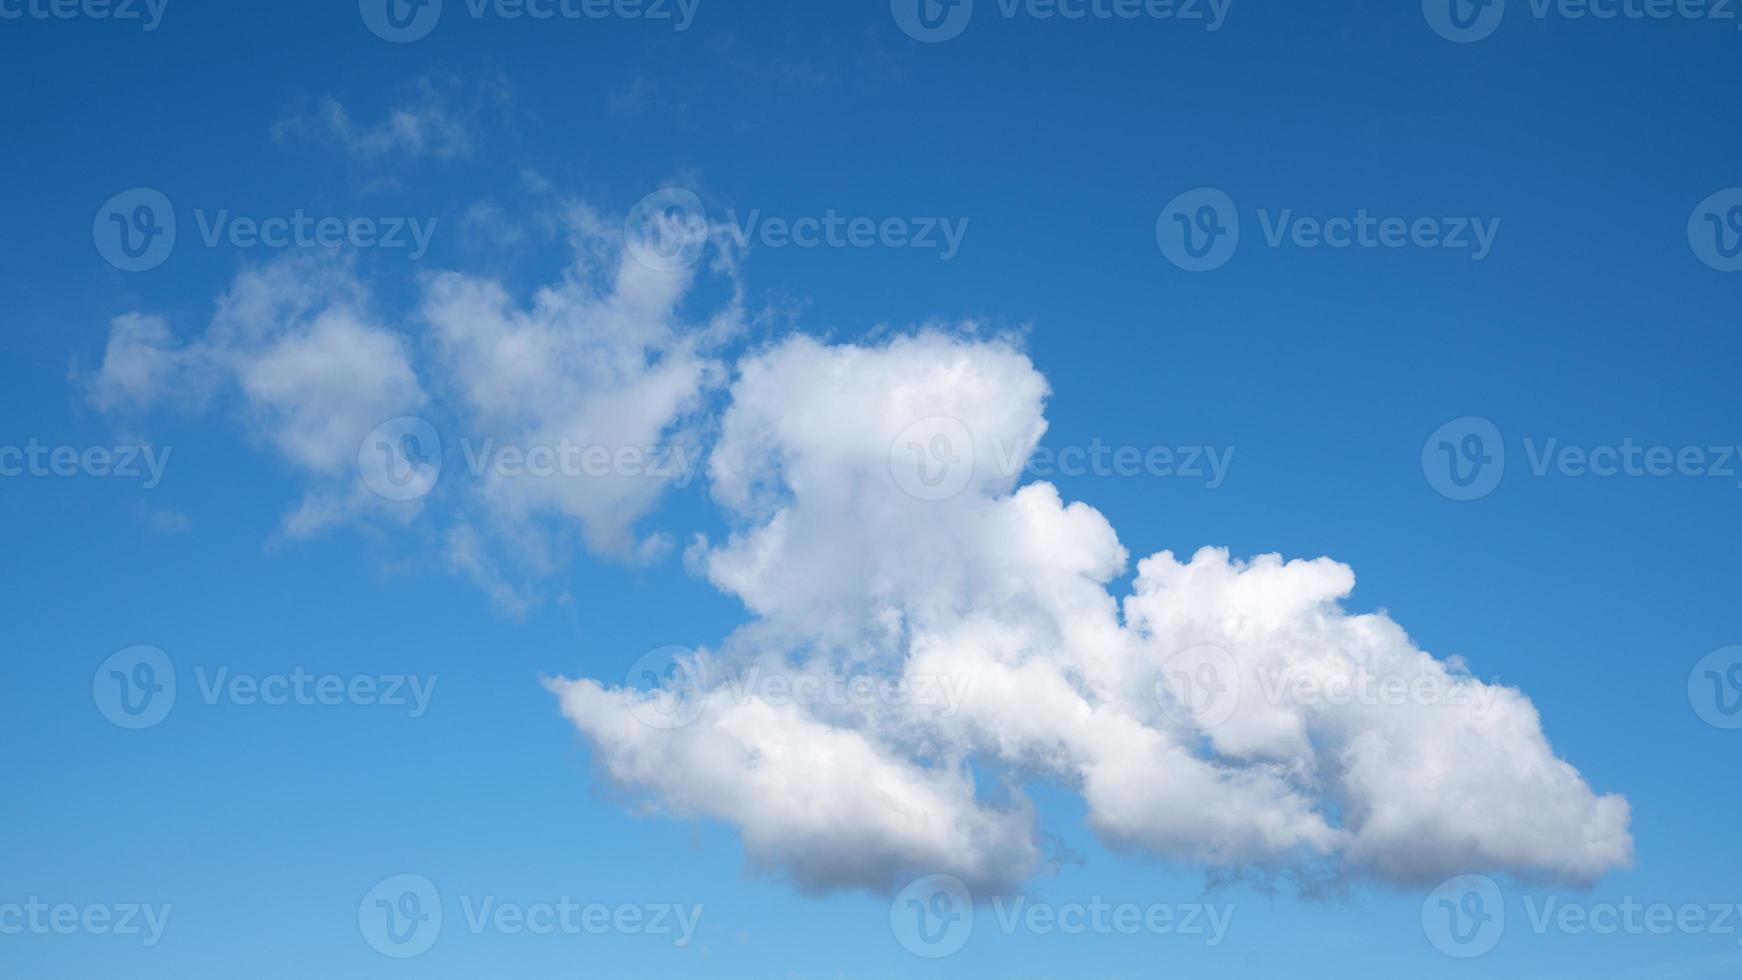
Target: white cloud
{"points": [[878, 530], [429, 122], [1007, 590], [144, 366], [314, 371], [466, 556], [606, 360], [602, 360], [826, 804]]}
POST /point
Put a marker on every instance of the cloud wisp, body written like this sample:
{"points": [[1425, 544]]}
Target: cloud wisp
{"points": [[602, 361]]}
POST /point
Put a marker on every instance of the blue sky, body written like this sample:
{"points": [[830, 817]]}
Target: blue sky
{"points": [[1023, 175]]}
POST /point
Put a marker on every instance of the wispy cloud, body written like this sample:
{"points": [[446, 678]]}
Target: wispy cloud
{"points": [[430, 120]]}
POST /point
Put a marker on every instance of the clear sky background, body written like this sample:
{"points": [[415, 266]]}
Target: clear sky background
{"points": [[1593, 319]]}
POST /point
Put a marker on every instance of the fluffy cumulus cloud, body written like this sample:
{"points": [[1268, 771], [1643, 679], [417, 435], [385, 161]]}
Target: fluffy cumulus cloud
{"points": [[576, 408], [1228, 714], [313, 369], [599, 375], [929, 636]]}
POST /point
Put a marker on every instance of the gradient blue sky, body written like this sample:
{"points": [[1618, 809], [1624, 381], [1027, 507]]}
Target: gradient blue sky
{"points": [[1060, 141]]}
